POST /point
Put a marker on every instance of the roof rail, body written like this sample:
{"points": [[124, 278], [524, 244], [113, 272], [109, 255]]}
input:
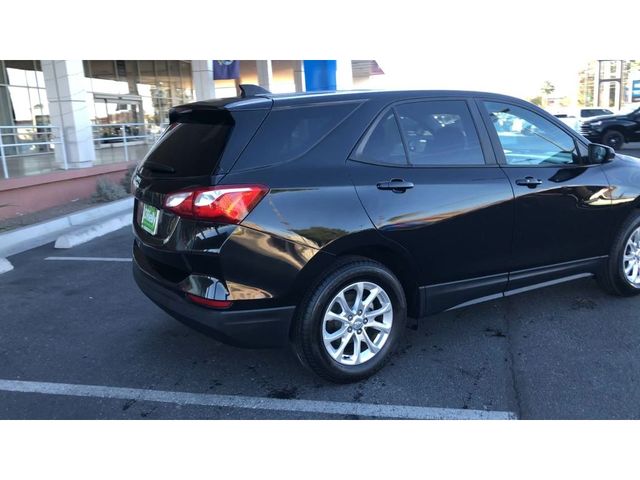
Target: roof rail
{"points": [[249, 90]]}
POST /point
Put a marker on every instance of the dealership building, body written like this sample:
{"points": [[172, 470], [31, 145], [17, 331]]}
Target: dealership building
{"points": [[66, 123]]}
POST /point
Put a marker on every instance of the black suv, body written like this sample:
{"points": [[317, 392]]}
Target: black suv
{"points": [[325, 220], [614, 130]]}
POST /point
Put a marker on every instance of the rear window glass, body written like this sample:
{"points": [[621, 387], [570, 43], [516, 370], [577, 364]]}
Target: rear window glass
{"points": [[288, 133], [595, 112], [189, 149]]}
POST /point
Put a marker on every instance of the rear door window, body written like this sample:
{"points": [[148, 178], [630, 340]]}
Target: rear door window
{"points": [[439, 132]]}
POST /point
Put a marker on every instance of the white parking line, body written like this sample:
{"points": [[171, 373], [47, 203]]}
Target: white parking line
{"points": [[91, 259], [254, 403]]}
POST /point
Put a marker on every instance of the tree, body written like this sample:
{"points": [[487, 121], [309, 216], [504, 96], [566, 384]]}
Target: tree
{"points": [[547, 88], [536, 100], [565, 101]]}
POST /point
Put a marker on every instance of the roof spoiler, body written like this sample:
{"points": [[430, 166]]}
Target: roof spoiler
{"points": [[205, 114], [249, 90]]}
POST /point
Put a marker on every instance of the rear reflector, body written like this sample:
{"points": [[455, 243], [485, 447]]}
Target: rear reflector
{"points": [[209, 303], [224, 204]]}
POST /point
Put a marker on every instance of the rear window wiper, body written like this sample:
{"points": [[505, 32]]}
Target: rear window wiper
{"points": [[159, 167]]}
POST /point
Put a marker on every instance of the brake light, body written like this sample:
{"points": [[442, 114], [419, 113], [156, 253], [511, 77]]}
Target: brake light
{"points": [[224, 204]]}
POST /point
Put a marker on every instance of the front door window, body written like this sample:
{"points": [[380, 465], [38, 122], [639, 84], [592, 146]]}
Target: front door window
{"points": [[528, 139]]}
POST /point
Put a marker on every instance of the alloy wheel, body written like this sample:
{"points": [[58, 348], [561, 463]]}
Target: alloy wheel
{"points": [[357, 323], [614, 141], [631, 258]]}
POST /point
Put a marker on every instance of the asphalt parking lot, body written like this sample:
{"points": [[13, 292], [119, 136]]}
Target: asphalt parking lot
{"points": [[632, 149], [73, 332]]}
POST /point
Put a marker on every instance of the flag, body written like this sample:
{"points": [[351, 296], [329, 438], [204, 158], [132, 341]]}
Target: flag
{"points": [[375, 68], [226, 69], [366, 68]]}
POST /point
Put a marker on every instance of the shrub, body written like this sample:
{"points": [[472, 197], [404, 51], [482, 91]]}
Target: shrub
{"points": [[108, 191], [126, 180]]}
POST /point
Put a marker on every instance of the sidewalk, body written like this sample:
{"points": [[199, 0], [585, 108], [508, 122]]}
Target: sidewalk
{"points": [[27, 219], [68, 230]]}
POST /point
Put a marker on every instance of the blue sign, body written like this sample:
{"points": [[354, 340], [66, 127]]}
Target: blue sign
{"points": [[319, 75], [635, 91]]}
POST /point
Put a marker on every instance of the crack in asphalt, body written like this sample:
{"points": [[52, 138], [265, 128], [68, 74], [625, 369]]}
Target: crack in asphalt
{"points": [[507, 314]]}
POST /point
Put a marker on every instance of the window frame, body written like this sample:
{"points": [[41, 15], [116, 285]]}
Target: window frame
{"points": [[486, 146], [579, 144], [357, 151]]}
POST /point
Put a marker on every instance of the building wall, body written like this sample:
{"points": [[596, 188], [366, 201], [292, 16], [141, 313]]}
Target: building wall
{"points": [[95, 98], [20, 196], [595, 87], [283, 80]]}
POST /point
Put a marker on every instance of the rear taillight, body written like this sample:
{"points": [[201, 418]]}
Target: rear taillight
{"points": [[224, 204]]}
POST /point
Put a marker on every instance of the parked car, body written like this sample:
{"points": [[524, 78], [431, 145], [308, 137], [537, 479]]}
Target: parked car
{"points": [[614, 130], [324, 220], [590, 112], [586, 112], [574, 120]]}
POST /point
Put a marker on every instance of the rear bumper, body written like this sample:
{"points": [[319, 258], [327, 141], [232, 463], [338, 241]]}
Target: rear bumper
{"points": [[260, 328]]}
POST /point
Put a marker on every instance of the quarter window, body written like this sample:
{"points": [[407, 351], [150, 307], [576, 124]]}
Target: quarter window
{"points": [[290, 132], [439, 133], [529, 139]]}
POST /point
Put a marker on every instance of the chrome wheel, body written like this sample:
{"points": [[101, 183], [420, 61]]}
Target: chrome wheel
{"points": [[631, 258], [357, 323]]}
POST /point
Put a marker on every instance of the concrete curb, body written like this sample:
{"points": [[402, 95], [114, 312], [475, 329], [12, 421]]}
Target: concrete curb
{"points": [[5, 266], [26, 238], [84, 234]]}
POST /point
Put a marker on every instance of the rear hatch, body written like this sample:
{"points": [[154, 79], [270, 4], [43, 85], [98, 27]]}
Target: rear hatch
{"points": [[199, 147]]}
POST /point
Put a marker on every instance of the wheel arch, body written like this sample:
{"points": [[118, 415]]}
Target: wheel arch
{"points": [[617, 128], [369, 244]]}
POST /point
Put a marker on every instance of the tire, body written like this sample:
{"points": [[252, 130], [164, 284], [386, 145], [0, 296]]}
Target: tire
{"points": [[613, 139], [311, 329], [613, 279]]}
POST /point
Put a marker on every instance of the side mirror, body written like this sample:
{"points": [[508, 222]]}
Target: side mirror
{"points": [[600, 153]]}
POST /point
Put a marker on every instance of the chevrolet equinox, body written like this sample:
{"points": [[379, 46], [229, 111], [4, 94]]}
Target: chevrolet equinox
{"points": [[324, 220]]}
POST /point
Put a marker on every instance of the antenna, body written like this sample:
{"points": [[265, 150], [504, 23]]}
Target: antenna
{"points": [[249, 90]]}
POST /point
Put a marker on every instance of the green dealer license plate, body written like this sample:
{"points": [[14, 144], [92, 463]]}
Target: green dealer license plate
{"points": [[149, 221]]}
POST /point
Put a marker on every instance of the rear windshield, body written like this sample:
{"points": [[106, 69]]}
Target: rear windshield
{"points": [[189, 149], [290, 132]]}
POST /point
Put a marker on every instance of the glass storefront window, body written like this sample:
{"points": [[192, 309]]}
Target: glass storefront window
{"points": [[147, 72], [117, 92], [103, 69], [151, 88], [23, 99], [187, 84], [21, 105], [23, 108]]}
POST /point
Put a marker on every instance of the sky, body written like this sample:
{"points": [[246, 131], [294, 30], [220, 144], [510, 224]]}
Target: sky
{"points": [[515, 75]]}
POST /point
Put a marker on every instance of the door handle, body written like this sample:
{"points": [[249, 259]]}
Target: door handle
{"points": [[396, 185], [529, 182]]}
